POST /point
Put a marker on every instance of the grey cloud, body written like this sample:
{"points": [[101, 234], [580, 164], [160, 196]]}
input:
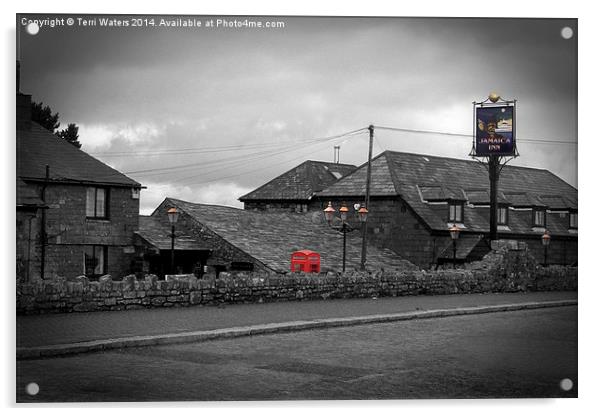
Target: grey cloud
{"points": [[316, 77]]}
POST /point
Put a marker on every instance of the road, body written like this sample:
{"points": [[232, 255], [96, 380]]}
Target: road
{"points": [[508, 354], [50, 329]]}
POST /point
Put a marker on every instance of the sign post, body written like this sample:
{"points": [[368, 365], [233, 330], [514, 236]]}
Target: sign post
{"points": [[494, 144]]}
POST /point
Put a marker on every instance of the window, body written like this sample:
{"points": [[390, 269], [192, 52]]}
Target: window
{"points": [[97, 203], [573, 220], [539, 217], [95, 261], [301, 208], [502, 215], [456, 213]]}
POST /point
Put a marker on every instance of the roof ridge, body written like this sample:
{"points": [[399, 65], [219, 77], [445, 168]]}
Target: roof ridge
{"points": [[271, 180], [176, 200], [307, 171], [461, 160], [393, 174], [115, 174], [329, 163], [357, 169]]}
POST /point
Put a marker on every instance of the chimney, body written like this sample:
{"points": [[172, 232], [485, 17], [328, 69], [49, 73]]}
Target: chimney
{"points": [[23, 111], [23, 104]]}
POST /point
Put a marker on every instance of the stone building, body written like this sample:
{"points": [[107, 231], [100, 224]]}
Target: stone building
{"points": [[75, 215], [232, 239], [29, 206], [415, 199], [293, 190]]}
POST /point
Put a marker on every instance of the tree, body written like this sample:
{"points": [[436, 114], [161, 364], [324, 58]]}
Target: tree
{"points": [[71, 134], [43, 116]]}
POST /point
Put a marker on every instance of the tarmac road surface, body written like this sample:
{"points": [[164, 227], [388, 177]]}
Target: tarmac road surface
{"points": [[508, 354]]}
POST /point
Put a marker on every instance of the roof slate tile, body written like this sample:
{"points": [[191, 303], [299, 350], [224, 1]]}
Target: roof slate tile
{"points": [[301, 182], [403, 174], [271, 237], [38, 147]]}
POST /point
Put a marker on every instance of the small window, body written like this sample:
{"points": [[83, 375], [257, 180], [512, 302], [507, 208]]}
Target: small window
{"points": [[301, 208], [502, 216], [95, 261], [456, 212], [539, 218], [573, 220], [97, 203]]}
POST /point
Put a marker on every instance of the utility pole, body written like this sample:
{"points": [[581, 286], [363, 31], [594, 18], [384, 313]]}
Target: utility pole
{"points": [[367, 198]]}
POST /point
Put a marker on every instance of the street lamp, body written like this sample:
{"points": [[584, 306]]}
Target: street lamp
{"points": [[172, 216], [454, 231], [545, 240], [329, 214], [363, 214]]}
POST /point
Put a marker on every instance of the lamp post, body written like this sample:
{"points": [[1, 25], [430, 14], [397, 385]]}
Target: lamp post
{"points": [[454, 232], [545, 240], [329, 214], [172, 216], [343, 213]]}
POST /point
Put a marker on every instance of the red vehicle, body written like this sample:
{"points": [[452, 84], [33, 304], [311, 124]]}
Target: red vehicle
{"points": [[305, 261]]}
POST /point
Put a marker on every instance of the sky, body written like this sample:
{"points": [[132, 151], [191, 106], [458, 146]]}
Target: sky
{"points": [[208, 114]]}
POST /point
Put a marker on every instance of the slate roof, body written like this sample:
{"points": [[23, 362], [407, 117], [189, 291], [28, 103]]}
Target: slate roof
{"points": [[157, 234], [481, 197], [354, 184], [464, 247], [271, 238], [301, 182], [404, 174], [38, 147], [439, 193], [524, 199], [558, 202]]}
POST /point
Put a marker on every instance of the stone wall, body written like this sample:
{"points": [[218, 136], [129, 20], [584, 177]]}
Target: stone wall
{"points": [[504, 270]]}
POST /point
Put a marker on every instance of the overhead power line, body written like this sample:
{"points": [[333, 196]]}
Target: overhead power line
{"points": [[244, 157], [445, 133], [241, 159], [270, 155], [217, 149], [295, 158], [196, 150]]}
